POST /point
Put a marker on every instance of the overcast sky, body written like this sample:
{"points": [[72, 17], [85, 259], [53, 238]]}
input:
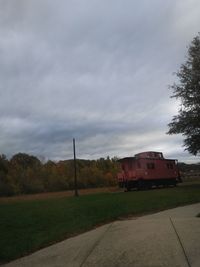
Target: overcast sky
{"points": [[96, 70]]}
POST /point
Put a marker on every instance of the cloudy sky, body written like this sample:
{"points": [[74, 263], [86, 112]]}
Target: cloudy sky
{"points": [[96, 70]]}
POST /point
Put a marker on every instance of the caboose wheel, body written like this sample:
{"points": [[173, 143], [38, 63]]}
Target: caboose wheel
{"points": [[140, 185]]}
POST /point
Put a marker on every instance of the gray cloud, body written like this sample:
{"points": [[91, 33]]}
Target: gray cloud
{"points": [[95, 70]]}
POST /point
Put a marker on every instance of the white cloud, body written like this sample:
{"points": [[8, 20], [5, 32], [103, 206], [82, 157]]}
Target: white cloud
{"points": [[96, 70]]}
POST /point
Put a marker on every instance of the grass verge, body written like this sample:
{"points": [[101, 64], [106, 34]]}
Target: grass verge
{"points": [[26, 226]]}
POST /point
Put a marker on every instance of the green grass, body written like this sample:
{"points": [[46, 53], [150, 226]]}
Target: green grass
{"points": [[26, 226]]}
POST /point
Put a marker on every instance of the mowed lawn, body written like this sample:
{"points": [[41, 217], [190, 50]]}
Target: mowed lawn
{"points": [[26, 226]]}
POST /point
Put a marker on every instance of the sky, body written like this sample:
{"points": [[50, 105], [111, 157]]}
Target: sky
{"points": [[95, 70]]}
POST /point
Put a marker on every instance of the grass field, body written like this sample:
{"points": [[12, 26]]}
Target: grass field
{"points": [[59, 194], [26, 226]]}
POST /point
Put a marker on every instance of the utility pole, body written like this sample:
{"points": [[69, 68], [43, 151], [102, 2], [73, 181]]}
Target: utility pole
{"points": [[75, 172]]}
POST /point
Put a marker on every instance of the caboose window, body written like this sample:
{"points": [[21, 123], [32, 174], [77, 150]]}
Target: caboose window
{"points": [[130, 165], [170, 166], [150, 166]]}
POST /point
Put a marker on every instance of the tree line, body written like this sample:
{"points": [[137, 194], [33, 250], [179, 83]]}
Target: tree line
{"points": [[26, 174]]}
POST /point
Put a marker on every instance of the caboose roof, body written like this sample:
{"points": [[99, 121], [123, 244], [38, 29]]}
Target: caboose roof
{"points": [[126, 158], [150, 154], [153, 155]]}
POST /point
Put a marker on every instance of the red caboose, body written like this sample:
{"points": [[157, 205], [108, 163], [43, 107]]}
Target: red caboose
{"points": [[148, 169]]}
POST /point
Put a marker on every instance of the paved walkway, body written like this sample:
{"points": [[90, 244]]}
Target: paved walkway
{"points": [[170, 238]]}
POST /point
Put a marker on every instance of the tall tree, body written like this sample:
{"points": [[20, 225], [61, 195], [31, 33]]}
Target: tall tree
{"points": [[187, 90], [24, 160]]}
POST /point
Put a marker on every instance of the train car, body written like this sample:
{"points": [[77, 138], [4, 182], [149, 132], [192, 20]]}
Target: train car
{"points": [[146, 170]]}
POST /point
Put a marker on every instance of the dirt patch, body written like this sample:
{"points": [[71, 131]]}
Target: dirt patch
{"points": [[59, 194]]}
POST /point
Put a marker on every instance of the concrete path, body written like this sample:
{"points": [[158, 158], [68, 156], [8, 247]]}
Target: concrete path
{"points": [[170, 238]]}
